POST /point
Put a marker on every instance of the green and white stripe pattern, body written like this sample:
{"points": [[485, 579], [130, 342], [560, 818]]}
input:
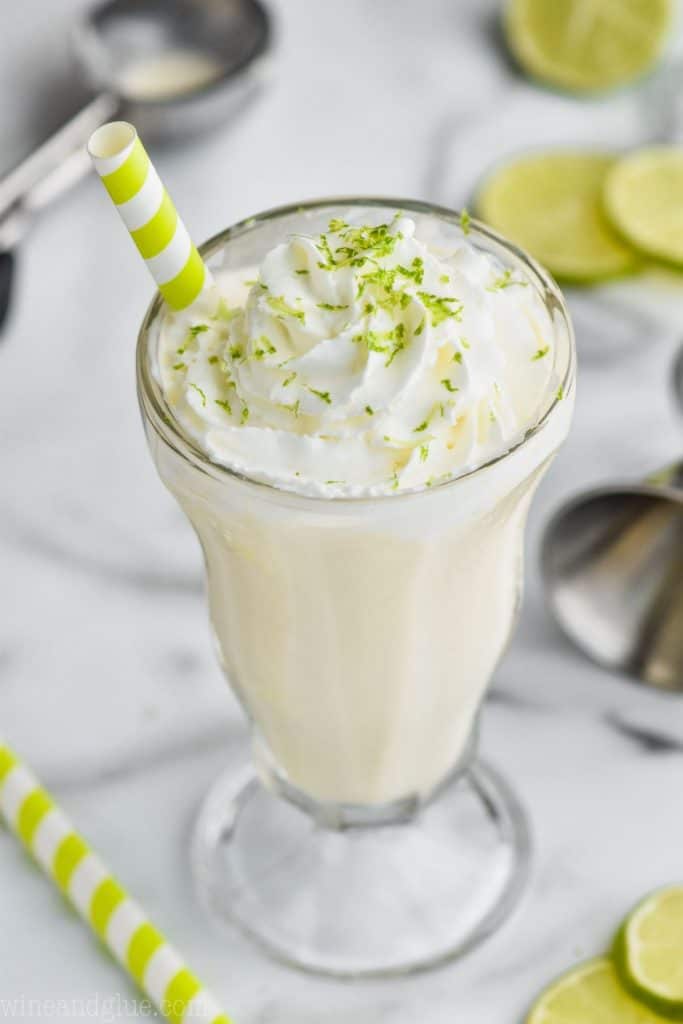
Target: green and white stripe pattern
{"points": [[66, 858], [148, 212]]}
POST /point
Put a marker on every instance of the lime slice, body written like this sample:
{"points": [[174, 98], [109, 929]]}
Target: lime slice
{"points": [[551, 204], [649, 951], [643, 197], [587, 45], [590, 994]]}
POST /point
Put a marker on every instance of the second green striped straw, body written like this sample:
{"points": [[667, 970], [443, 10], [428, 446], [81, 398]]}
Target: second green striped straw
{"points": [[124, 928], [148, 212]]}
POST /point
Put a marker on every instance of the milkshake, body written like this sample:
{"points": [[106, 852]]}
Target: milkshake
{"points": [[354, 418]]}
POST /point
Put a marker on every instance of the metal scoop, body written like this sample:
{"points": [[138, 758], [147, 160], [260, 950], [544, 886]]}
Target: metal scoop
{"points": [[612, 562], [174, 67]]}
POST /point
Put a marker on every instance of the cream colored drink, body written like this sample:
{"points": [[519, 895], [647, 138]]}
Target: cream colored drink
{"points": [[370, 405]]}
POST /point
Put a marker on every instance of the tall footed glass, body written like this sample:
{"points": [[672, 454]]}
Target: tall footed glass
{"points": [[360, 636]]}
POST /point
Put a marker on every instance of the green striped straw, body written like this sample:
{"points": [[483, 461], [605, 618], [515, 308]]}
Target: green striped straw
{"points": [[148, 212], [31, 813]]}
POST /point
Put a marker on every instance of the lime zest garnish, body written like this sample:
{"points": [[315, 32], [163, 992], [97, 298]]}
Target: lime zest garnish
{"points": [[199, 392], [223, 311], [288, 381], [212, 360], [399, 343], [424, 452], [389, 343], [541, 352], [381, 277], [439, 307], [224, 404], [384, 279], [457, 357], [559, 394], [369, 410], [325, 250], [415, 272], [395, 298], [361, 244], [503, 281], [330, 307], [197, 329], [266, 347], [439, 479], [244, 415], [449, 386], [506, 280], [438, 406], [180, 366], [324, 396], [465, 221], [282, 308], [302, 272]]}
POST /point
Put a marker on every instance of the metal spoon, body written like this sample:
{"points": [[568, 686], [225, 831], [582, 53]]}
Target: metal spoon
{"points": [[612, 562], [194, 63]]}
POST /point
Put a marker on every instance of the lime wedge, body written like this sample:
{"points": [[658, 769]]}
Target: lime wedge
{"points": [[643, 197], [587, 45], [649, 951], [551, 204], [590, 994]]}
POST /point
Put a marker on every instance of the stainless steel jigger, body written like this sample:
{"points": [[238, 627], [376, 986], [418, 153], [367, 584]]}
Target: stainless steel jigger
{"points": [[612, 562], [233, 34]]}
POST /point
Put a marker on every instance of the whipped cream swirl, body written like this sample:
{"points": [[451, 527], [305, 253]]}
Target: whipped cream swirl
{"points": [[360, 362]]}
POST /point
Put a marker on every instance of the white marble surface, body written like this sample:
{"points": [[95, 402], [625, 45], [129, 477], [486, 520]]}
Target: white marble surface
{"points": [[107, 681]]}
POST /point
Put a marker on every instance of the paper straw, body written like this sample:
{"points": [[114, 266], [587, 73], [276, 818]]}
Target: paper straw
{"points": [[31, 813], [148, 212]]}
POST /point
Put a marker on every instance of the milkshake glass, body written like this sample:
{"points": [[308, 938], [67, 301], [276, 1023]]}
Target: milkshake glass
{"points": [[359, 635]]}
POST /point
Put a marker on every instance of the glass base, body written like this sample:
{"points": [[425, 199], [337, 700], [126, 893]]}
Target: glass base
{"points": [[363, 901]]}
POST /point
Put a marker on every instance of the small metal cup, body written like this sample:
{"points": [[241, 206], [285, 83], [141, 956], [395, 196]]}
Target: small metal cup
{"points": [[612, 563], [235, 34]]}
